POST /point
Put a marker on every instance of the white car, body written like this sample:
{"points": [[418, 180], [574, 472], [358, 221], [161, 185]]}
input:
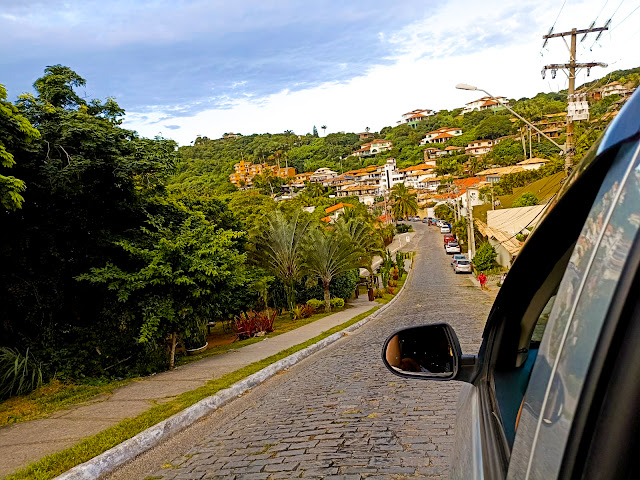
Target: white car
{"points": [[452, 247], [462, 266], [445, 228], [456, 257]]}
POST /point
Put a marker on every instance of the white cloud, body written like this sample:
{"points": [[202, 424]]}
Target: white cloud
{"points": [[495, 46]]}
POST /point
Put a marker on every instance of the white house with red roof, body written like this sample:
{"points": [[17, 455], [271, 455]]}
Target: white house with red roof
{"points": [[441, 135], [373, 148], [414, 116], [479, 147], [485, 103]]}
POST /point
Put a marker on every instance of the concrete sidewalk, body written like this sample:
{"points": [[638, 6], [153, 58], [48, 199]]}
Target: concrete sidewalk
{"points": [[27, 442]]}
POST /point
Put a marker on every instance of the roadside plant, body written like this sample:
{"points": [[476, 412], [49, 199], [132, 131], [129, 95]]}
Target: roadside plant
{"points": [[378, 293], [485, 257], [315, 303], [19, 374], [280, 249], [337, 303], [400, 263], [329, 253]]}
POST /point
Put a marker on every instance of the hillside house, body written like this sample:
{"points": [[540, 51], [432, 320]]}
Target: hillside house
{"points": [[485, 103], [479, 147], [322, 175], [493, 175], [365, 135], [373, 148], [614, 88], [441, 135], [413, 117], [533, 163]]}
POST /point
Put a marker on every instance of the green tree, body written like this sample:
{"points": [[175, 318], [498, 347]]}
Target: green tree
{"points": [[313, 189], [494, 127], [89, 182], [183, 275], [280, 249], [15, 133], [324, 129], [328, 253], [404, 202], [527, 199], [485, 257], [315, 131]]}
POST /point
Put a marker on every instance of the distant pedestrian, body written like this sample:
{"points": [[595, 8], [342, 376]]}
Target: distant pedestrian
{"points": [[482, 278], [503, 278]]}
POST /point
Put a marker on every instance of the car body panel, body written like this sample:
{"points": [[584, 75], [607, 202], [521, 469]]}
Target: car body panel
{"points": [[576, 320], [466, 461], [452, 248]]}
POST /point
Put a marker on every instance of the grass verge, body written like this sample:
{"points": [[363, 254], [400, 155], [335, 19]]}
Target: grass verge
{"points": [[57, 463], [57, 395], [51, 397]]}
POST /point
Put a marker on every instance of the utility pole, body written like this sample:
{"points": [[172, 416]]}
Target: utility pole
{"points": [[572, 66], [493, 203], [470, 229]]}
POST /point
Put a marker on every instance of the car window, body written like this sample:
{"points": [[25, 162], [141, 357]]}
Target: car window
{"points": [[575, 321]]}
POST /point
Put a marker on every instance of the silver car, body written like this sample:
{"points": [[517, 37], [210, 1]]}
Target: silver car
{"points": [[554, 390], [462, 266]]}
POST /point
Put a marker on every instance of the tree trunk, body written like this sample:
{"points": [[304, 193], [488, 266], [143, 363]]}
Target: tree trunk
{"points": [[327, 297], [172, 356]]}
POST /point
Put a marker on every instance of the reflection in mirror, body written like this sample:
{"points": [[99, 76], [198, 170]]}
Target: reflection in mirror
{"points": [[424, 350]]}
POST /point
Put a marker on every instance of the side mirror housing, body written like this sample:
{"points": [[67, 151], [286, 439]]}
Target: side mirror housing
{"points": [[428, 352]]}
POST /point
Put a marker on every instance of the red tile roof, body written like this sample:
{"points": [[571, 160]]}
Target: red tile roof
{"points": [[337, 207]]}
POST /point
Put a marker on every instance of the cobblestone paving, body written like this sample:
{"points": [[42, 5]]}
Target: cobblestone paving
{"points": [[343, 415]]}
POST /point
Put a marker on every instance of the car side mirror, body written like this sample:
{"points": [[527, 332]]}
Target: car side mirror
{"points": [[427, 352]]}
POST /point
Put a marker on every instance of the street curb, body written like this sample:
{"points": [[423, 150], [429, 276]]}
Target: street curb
{"points": [[117, 456]]}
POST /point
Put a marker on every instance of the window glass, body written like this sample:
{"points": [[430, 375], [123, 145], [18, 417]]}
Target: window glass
{"points": [[576, 320]]}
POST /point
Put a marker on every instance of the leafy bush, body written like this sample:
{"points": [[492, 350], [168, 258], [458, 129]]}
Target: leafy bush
{"points": [[485, 257], [403, 228], [19, 374], [337, 303], [527, 199], [265, 319], [392, 283], [315, 303], [390, 290], [245, 325], [400, 263], [303, 311], [520, 237], [378, 293]]}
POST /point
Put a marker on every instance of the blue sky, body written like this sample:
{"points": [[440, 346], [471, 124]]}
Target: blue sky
{"points": [[183, 68]]}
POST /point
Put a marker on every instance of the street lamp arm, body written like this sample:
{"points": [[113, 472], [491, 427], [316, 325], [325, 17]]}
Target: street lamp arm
{"points": [[525, 121]]}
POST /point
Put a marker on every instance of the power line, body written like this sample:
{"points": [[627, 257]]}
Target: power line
{"points": [[632, 12], [616, 10], [558, 16]]}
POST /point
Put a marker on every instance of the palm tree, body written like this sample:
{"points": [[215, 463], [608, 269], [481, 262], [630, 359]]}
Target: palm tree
{"points": [[328, 254], [364, 236], [281, 250], [324, 129], [404, 202], [313, 189]]}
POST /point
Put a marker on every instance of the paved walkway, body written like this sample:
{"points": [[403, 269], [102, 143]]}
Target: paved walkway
{"points": [[339, 414], [27, 442]]}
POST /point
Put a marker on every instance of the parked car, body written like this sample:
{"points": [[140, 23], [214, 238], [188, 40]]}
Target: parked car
{"points": [[554, 390], [452, 247], [449, 237], [445, 229], [425, 220], [458, 256], [462, 266]]}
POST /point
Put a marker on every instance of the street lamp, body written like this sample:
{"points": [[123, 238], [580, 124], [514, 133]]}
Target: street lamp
{"points": [[464, 86]]}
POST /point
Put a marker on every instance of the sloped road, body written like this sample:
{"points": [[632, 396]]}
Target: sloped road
{"points": [[340, 413]]}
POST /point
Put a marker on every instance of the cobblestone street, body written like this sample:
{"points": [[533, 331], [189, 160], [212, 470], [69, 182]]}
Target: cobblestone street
{"points": [[341, 413]]}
